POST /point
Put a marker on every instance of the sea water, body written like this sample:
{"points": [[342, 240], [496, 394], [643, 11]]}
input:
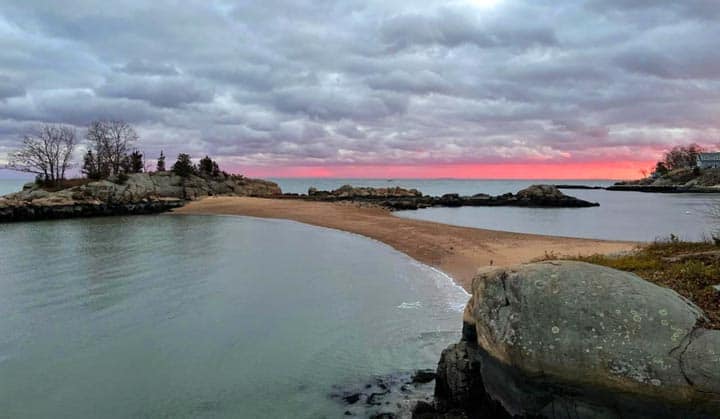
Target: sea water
{"points": [[633, 216], [193, 316]]}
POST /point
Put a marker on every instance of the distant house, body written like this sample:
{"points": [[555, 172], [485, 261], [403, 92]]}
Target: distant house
{"points": [[708, 160]]}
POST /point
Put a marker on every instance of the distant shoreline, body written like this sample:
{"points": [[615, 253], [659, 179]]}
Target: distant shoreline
{"points": [[646, 188], [457, 251]]}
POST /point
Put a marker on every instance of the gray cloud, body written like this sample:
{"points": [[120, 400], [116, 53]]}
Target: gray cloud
{"points": [[368, 82], [166, 92]]}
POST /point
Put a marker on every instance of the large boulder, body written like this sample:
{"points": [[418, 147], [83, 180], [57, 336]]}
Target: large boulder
{"points": [[571, 339], [548, 196], [540, 192]]}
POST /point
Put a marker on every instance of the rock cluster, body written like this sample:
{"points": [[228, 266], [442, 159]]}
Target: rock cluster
{"points": [[571, 339], [389, 396], [410, 199], [349, 192], [141, 193]]}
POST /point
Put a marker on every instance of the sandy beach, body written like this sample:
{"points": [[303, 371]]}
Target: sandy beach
{"points": [[457, 251]]}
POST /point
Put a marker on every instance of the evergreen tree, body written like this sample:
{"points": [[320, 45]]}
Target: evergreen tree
{"points": [[90, 166], [136, 162], [661, 169], [183, 166], [205, 166], [161, 162]]}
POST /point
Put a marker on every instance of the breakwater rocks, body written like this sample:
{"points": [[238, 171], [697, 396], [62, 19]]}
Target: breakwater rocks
{"points": [[571, 339], [540, 196], [141, 193]]}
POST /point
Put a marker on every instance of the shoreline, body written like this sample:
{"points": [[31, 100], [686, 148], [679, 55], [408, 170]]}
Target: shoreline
{"points": [[455, 251]]}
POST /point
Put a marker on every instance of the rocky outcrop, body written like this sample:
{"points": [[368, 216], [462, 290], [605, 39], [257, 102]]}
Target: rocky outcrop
{"points": [[350, 192], [682, 180], [542, 196], [571, 339], [664, 188], [140, 193]]}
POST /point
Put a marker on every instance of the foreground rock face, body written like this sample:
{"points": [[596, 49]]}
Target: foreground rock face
{"points": [[570, 339], [410, 199], [141, 193]]}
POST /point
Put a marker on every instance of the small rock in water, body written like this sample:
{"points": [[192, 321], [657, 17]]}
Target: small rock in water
{"points": [[352, 398], [385, 397], [423, 376]]}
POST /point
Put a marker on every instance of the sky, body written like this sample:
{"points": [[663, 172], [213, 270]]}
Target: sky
{"points": [[468, 89]]}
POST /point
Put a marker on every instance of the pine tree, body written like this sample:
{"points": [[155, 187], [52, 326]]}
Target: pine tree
{"points": [[136, 162], [161, 162], [90, 166], [183, 166], [205, 166]]}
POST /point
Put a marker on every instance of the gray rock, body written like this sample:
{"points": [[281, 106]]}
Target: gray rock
{"points": [[559, 339], [459, 380], [139, 193]]}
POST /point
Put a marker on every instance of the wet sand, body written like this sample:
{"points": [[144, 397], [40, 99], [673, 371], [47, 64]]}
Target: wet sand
{"points": [[457, 251]]}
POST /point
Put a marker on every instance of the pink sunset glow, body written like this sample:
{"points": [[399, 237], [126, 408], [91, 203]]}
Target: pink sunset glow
{"points": [[571, 170]]}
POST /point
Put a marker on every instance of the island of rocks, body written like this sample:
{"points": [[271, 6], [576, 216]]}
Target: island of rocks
{"points": [[574, 340], [539, 196], [139, 193]]}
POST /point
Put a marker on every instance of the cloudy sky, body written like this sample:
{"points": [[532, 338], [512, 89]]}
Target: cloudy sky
{"points": [[391, 88]]}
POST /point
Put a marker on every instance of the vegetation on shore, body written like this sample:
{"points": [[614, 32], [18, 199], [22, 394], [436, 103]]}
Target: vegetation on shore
{"points": [[691, 269], [678, 167], [110, 154]]}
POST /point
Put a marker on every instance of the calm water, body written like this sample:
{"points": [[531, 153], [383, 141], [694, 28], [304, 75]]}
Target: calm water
{"points": [[171, 316], [11, 185], [621, 215]]}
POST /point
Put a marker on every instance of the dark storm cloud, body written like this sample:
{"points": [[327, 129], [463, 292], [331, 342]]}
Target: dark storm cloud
{"points": [[354, 82]]}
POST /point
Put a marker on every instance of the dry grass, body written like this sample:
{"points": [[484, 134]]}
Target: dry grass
{"points": [[689, 268]]}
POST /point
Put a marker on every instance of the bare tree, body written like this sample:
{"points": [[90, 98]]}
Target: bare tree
{"points": [[46, 154], [682, 156], [112, 141]]}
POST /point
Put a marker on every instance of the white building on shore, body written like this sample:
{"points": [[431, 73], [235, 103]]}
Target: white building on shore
{"points": [[708, 160]]}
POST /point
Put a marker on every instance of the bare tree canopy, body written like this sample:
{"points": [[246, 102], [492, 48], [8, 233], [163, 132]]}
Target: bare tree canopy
{"points": [[682, 156], [46, 154], [112, 141]]}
